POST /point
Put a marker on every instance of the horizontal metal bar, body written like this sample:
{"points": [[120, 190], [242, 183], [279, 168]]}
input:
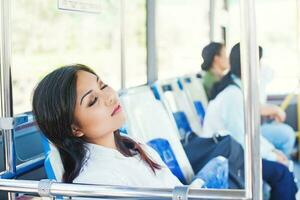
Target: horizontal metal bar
{"points": [[30, 165], [24, 168], [102, 191], [6, 175], [217, 194]]}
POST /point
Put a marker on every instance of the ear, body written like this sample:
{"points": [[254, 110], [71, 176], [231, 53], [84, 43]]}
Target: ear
{"points": [[76, 131], [216, 59]]}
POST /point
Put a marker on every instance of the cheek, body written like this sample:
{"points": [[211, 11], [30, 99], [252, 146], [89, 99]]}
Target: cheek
{"points": [[226, 62], [99, 122]]}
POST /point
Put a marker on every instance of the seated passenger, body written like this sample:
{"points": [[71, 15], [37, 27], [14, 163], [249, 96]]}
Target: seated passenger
{"points": [[225, 115], [281, 135], [81, 115], [215, 63]]}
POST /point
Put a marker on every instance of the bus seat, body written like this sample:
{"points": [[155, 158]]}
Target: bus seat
{"points": [[147, 120], [192, 85], [25, 136], [53, 165], [174, 97], [182, 124], [163, 147]]}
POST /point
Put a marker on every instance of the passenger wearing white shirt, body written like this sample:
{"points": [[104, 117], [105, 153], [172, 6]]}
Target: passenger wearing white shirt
{"points": [[108, 166], [281, 135], [80, 115], [225, 115]]}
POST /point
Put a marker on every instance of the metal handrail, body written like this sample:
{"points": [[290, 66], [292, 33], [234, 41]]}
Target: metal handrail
{"points": [[84, 190], [151, 44], [104, 191], [5, 84], [24, 168]]}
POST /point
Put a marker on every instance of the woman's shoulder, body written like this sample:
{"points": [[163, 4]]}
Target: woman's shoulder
{"points": [[231, 91]]}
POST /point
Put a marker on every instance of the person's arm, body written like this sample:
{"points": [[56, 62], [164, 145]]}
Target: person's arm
{"points": [[267, 149], [233, 116], [272, 111]]}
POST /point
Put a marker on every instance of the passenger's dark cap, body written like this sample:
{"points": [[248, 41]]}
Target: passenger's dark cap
{"points": [[208, 54]]}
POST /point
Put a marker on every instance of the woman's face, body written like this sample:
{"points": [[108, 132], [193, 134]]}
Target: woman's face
{"points": [[222, 60], [97, 111]]}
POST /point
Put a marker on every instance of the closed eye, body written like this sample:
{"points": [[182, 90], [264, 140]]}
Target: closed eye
{"points": [[93, 102], [103, 87]]}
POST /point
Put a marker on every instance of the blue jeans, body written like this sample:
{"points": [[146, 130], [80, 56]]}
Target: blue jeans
{"points": [[280, 179], [215, 173], [281, 135]]}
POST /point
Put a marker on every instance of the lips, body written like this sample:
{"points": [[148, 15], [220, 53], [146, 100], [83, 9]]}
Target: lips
{"points": [[116, 110]]}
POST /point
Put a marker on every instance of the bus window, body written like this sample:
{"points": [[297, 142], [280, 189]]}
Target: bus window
{"points": [[279, 40], [44, 37], [135, 42], [277, 34], [182, 32]]}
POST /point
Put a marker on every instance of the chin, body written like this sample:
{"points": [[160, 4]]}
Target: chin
{"points": [[120, 120]]}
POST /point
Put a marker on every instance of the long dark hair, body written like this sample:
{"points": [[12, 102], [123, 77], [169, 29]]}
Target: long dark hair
{"points": [[208, 54], [54, 101], [235, 69]]}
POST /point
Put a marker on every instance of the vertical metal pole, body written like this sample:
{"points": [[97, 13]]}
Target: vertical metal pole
{"points": [[122, 35], [152, 71], [212, 21], [249, 58], [298, 27], [224, 27], [5, 87], [298, 89]]}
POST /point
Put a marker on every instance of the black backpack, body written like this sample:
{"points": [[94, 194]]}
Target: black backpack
{"points": [[201, 150]]}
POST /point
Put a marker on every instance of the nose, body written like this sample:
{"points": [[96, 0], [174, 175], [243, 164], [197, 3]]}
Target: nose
{"points": [[111, 99]]}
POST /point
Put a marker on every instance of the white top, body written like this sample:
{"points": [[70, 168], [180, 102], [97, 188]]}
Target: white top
{"points": [[225, 115], [110, 167]]}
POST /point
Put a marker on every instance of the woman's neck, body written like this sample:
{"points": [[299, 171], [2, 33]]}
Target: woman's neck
{"points": [[108, 140]]}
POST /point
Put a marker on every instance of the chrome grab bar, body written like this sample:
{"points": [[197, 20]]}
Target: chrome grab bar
{"points": [[52, 188]]}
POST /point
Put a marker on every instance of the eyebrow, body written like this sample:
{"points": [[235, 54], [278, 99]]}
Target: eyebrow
{"points": [[87, 92]]}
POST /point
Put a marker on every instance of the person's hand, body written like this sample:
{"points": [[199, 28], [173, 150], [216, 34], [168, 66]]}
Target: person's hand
{"points": [[280, 115], [273, 112], [281, 158]]}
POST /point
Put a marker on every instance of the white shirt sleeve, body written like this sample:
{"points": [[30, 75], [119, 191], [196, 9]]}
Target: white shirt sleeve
{"points": [[233, 115], [266, 149]]}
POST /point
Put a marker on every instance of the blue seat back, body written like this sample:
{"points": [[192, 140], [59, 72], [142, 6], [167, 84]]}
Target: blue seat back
{"points": [[193, 86], [173, 95], [163, 147], [182, 123], [200, 111], [47, 163]]}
